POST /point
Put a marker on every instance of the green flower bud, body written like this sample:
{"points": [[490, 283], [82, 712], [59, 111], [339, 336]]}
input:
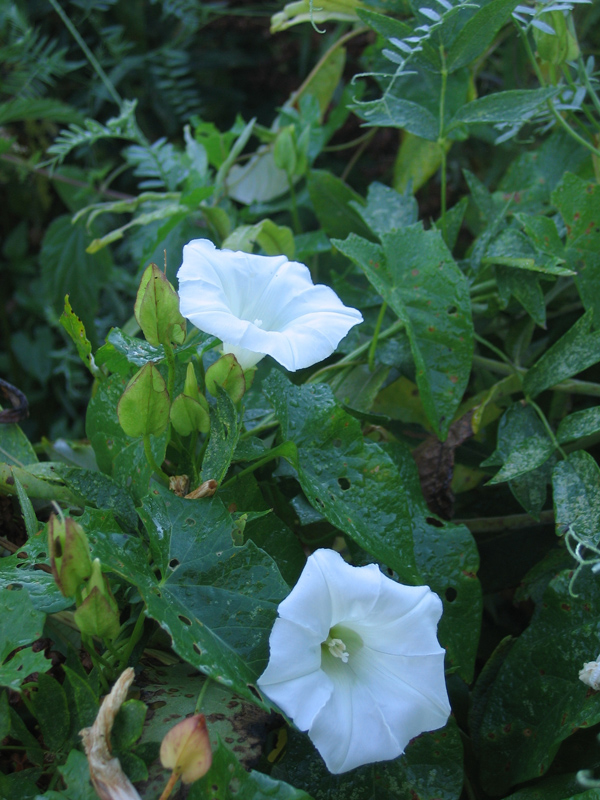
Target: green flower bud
{"points": [[189, 415], [98, 614], [144, 405], [157, 309], [559, 47], [284, 152], [69, 554], [190, 387], [226, 373]]}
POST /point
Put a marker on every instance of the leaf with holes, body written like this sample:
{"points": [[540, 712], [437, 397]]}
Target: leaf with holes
{"points": [[536, 699], [216, 601], [20, 624], [416, 275], [372, 494]]}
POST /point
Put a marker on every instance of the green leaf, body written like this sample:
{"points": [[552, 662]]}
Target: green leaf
{"points": [[386, 209], [536, 699], [430, 769], [52, 711], [477, 34], [331, 199], [576, 484], [523, 444], [509, 107], [525, 287], [129, 724], [391, 28], [224, 434], [216, 601], [575, 351], [416, 275], [82, 700], [396, 112], [67, 268], [76, 777], [228, 780], [273, 239], [22, 109], [531, 489], [373, 495], [15, 447], [579, 204], [20, 624], [122, 351], [580, 424], [19, 572], [227, 374], [32, 526], [513, 249], [76, 330], [100, 491]]}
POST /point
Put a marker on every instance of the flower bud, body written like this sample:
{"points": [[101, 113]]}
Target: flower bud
{"points": [[226, 373], [186, 749], [144, 405], [284, 152], [98, 615], [157, 309], [559, 47], [69, 554]]}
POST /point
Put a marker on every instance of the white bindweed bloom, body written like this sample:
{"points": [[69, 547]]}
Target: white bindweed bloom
{"points": [[355, 661], [261, 305]]}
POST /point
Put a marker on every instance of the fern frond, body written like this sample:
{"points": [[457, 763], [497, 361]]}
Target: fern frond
{"points": [[26, 108], [173, 78], [160, 163], [122, 127], [32, 63]]}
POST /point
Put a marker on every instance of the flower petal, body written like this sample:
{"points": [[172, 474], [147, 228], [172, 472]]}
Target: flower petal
{"points": [[309, 602], [409, 690], [293, 678], [348, 606], [264, 304], [350, 730]]}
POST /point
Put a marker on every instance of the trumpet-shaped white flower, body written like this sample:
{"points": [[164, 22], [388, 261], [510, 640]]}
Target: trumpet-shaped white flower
{"points": [[261, 305], [355, 661]]}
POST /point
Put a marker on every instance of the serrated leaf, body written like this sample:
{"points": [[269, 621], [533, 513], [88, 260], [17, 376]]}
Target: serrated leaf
{"points": [[575, 351], [373, 496], [576, 484], [523, 444], [416, 275], [536, 699], [76, 330]]}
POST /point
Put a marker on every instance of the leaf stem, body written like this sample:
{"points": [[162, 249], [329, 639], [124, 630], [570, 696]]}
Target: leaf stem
{"points": [[152, 461], [133, 640], [373, 347], [170, 358], [273, 454], [88, 54], [442, 140], [170, 785], [546, 425], [205, 685], [393, 328], [510, 522], [571, 385]]}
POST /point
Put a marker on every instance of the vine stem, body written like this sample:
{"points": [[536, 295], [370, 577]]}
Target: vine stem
{"points": [[170, 785], [152, 461], [88, 54], [170, 357], [273, 454], [557, 116], [571, 386], [373, 347]]}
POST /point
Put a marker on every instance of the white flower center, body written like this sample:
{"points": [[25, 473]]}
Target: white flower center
{"points": [[337, 648]]}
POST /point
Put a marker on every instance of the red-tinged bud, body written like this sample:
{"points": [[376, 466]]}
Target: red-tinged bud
{"points": [[69, 554], [186, 749]]}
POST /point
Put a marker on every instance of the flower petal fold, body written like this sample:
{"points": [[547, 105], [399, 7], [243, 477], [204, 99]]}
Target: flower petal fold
{"points": [[266, 305]]}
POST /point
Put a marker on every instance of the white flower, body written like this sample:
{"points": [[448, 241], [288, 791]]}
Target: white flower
{"points": [[590, 674], [355, 661], [261, 305]]}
